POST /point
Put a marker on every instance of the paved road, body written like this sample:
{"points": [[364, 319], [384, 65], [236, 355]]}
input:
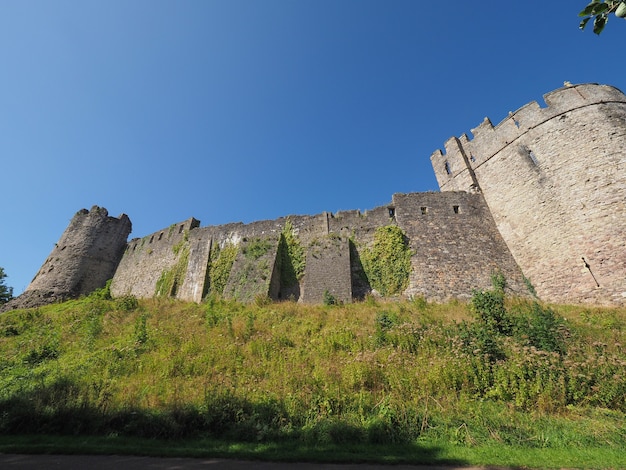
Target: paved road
{"points": [[121, 462]]}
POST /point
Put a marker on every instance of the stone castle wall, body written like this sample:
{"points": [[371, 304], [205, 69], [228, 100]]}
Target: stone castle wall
{"points": [[454, 240], [540, 196], [145, 259], [554, 180]]}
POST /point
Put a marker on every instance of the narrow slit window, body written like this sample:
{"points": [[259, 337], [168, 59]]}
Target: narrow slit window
{"points": [[180, 229], [392, 212], [151, 238], [160, 236], [455, 209], [447, 168], [533, 157], [424, 210]]}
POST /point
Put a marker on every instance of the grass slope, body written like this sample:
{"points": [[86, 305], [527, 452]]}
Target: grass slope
{"points": [[492, 382]]}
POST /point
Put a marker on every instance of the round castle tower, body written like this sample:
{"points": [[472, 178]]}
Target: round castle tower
{"points": [[554, 179], [83, 260]]}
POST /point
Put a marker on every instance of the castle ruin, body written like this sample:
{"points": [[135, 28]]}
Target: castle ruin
{"points": [[540, 198]]}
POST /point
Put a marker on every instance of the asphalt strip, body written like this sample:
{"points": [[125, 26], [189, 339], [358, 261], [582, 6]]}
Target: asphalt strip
{"points": [[122, 462]]}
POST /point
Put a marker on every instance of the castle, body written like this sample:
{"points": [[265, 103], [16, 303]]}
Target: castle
{"points": [[540, 198]]}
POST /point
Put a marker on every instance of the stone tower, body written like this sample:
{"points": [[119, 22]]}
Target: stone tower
{"points": [[84, 259], [554, 179]]}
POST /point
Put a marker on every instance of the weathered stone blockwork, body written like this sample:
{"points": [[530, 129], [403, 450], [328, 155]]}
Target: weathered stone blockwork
{"points": [[456, 245], [147, 259], [254, 275], [544, 191], [84, 258], [455, 242], [328, 270], [554, 179]]}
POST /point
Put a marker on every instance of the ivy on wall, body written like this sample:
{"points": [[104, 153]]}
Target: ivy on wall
{"points": [[171, 279], [291, 256], [252, 275], [387, 263], [256, 248], [220, 264]]}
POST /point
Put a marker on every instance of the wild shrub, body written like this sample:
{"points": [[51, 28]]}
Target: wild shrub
{"points": [[531, 324], [43, 352], [213, 314], [126, 303], [489, 307], [103, 293], [329, 299], [596, 376], [226, 415], [249, 328], [480, 339], [541, 328], [384, 321], [530, 378]]}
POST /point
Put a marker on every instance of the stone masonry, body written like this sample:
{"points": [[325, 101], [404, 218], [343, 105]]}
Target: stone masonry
{"points": [[540, 198], [554, 179], [84, 258]]}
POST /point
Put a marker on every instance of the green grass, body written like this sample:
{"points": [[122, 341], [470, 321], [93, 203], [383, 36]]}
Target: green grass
{"points": [[397, 382], [421, 453]]}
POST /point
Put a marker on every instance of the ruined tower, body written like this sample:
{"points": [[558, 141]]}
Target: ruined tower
{"points": [[84, 258], [554, 179]]}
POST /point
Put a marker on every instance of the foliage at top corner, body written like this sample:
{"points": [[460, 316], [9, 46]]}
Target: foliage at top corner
{"points": [[600, 10], [387, 263], [6, 293]]}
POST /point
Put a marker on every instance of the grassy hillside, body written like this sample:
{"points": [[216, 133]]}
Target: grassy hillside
{"points": [[468, 379]]}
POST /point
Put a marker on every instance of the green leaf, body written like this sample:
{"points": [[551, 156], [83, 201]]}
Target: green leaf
{"points": [[601, 8], [584, 22], [599, 23], [588, 10]]}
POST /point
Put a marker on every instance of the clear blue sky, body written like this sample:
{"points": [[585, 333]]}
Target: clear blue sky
{"points": [[242, 110]]}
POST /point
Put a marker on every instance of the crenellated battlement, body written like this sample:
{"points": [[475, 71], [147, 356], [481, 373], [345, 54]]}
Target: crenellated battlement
{"points": [[454, 168]]}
